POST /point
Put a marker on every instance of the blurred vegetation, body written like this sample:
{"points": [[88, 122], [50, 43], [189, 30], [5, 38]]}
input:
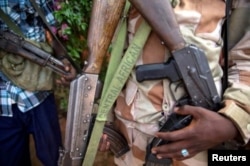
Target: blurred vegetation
{"points": [[73, 18]]}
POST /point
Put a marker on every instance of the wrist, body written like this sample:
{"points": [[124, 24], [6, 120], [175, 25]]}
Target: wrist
{"points": [[240, 120]]}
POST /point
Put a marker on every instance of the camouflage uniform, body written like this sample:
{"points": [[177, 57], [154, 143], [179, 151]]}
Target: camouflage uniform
{"points": [[141, 105]]}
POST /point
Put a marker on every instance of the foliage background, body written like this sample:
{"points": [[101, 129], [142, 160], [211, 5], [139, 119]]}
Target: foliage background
{"points": [[73, 18]]}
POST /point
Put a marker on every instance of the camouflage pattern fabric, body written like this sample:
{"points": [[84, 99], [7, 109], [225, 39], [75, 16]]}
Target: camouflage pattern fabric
{"points": [[140, 105]]}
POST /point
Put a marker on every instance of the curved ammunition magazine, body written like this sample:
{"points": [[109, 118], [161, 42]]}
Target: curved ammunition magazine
{"points": [[118, 143]]}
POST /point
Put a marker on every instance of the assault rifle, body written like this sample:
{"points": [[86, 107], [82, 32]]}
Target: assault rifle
{"points": [[83, 95], [187, 64], [81, 116], [12, 43], [190, 66]]}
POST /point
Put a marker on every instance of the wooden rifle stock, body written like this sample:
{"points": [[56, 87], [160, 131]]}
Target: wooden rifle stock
{"points": [[81, 117], [104, 20], [160, 16]]}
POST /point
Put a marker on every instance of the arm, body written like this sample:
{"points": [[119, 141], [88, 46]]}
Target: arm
{"points": [[237, 95], [167, 28], [186, 137], [188, 65]]}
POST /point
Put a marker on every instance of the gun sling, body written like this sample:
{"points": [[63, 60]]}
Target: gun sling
{"points": [[115, 86], [10, 24], [117, 49]]}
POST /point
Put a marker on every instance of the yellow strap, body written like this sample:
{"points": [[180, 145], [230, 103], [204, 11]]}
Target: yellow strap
{"points": [[116, 84]]}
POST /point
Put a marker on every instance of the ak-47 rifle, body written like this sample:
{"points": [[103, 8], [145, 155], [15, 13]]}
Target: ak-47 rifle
{"points": [[187, 64], [17, 45], [81, 116]]}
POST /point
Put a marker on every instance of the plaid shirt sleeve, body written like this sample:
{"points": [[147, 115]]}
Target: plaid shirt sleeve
{"points": [[24, 15]]}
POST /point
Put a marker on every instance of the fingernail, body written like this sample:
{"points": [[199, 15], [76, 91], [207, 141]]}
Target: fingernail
{"points": [[175, 109], [153, 151], [159, 157]]}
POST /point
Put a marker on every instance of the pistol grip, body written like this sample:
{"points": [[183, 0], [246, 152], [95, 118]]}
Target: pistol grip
{"points": [[174, 122]]}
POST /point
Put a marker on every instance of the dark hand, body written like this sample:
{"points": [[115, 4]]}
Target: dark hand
{"points": [[66, 79], [104, 144], [206, 130]]}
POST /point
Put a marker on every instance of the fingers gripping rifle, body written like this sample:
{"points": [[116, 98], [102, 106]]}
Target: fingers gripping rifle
{"points": [[190, 66], [81, 115], [187, 64], [15, 44]]}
